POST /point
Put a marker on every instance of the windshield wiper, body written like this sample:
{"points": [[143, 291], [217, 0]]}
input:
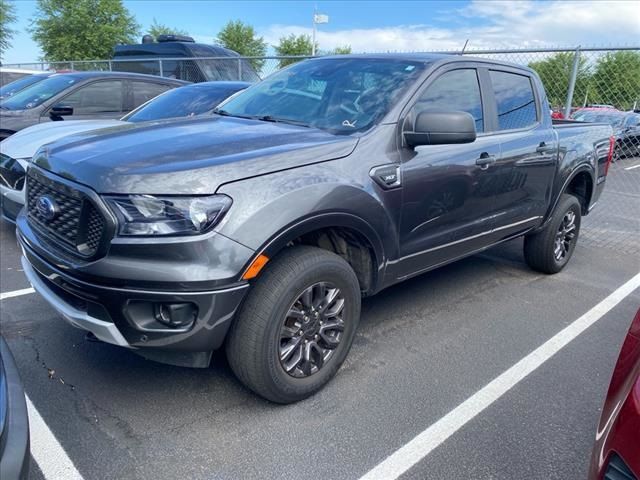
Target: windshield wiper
{"points": [[263, 118], [271, 118], [224, 113]]}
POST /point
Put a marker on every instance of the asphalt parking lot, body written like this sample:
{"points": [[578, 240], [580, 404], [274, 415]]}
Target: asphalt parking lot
{"points": [[423, 348]]}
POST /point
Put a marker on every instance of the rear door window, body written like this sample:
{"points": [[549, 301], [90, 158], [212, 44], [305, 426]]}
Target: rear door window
{"points": [[97, 97], [145, 91], [515, 100]]}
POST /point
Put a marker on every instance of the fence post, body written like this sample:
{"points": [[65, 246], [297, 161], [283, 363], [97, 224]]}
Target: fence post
{"points": [[572, 83], [239, 70], [161, 68], [110, 66], [72, 66]]}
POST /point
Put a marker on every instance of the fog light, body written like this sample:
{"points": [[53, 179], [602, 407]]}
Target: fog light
{"points": [[175, 315]]}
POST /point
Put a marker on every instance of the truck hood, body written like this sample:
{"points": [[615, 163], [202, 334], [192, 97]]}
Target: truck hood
{"points": [[26, 142], [187, 157]]}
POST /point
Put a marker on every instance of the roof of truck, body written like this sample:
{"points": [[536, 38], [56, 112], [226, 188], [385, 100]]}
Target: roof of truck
{"points": [[427, 58]]}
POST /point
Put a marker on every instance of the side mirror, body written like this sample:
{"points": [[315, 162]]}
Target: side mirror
{"points": [[60, 110], [441, 128]]}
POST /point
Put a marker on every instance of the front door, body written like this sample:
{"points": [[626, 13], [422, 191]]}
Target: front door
{"points": [[445, 211]]}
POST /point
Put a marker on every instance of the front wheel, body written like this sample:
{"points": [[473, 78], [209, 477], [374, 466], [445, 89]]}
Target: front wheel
{"points": [[549, 250], [296, 326]]}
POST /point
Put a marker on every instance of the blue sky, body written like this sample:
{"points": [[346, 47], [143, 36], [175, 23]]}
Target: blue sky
{"points": [[386, 25]]}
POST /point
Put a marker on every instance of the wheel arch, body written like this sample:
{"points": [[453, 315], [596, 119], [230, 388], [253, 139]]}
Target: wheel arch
{"points": [[580, 183], [346, 234]]}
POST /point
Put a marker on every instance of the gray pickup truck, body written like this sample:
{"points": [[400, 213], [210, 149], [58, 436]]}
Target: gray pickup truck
{"points": [[260, 229]]}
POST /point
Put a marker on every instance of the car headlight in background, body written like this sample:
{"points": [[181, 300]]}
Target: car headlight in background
{"points": [[12, 172], [147, 215]]}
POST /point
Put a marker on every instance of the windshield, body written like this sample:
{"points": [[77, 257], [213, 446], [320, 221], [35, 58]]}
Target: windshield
{"points": [[38, 93], [181, 102], [12, 88], [614, 119], [342, 95]]}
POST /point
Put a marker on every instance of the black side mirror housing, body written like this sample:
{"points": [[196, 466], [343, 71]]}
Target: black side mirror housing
{"points": [[433, 127], [60, 110]]}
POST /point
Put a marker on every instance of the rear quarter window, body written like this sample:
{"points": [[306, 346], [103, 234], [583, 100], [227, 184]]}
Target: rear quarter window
{"points": [[145, 91], [515, 100]]}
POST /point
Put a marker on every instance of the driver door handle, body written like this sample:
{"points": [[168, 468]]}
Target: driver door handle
{"points": [[544, 148], [485, 160]]}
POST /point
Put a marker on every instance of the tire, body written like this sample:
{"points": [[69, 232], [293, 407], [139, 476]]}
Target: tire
{"points": [[618, 152], [256, 341], [541, 250]]}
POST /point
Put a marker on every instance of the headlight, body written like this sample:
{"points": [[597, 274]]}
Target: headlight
{"points": [[146, 215], [12, 172]]}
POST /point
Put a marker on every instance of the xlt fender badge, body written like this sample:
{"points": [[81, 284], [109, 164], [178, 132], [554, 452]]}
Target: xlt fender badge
{"points": [[387, 176]]}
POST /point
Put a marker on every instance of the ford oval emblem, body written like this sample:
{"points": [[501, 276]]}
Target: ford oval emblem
{"points": [[47, 207]]}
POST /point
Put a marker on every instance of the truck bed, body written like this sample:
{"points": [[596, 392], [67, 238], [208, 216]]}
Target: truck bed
{"points": [[575, 137]]}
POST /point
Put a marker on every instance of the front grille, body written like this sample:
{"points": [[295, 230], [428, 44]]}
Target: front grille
{"points": [[77, 225], [618, 470], [95, 227]]}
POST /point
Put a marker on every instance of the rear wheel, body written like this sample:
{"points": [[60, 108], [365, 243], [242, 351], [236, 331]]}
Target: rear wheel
{"points": [[549, 251], [296, 326]]}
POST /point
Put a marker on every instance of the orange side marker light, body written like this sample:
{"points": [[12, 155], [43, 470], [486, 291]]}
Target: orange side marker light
{"points": [[255, 267]]}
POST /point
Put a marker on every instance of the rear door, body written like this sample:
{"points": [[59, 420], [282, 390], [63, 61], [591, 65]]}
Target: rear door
{"points": [[445, 211], [520, 182], [141, 92]]}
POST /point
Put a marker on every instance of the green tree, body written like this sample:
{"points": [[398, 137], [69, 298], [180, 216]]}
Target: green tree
{"points": [[555, 73], [616, 80], [342, 50], [156, 29], [82, 29], [242, 38], [7, 17], [294, 45]]}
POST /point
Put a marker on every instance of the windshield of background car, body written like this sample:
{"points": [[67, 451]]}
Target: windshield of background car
{"points": [[613, 119], [181, 102], [12, 88], [341, 95], [38, 93]]}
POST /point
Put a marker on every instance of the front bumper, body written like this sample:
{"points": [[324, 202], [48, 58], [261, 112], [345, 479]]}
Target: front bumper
{"points": [[126, 315], [14, 438]]}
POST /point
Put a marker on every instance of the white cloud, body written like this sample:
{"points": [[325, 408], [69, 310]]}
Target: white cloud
{"points": [[508, 24]]}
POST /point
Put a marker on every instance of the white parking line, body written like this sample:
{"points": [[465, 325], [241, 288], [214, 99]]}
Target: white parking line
{"points": [[631, 168], [16, 293], [51, 458], [424, 443]]}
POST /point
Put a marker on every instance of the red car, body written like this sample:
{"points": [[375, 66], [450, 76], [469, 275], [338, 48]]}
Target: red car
{"points": [[616, 454]]}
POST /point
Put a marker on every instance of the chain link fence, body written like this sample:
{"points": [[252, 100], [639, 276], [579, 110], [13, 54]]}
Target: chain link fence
{"points": [[585, 83], [573, 78], [194, 69]]}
